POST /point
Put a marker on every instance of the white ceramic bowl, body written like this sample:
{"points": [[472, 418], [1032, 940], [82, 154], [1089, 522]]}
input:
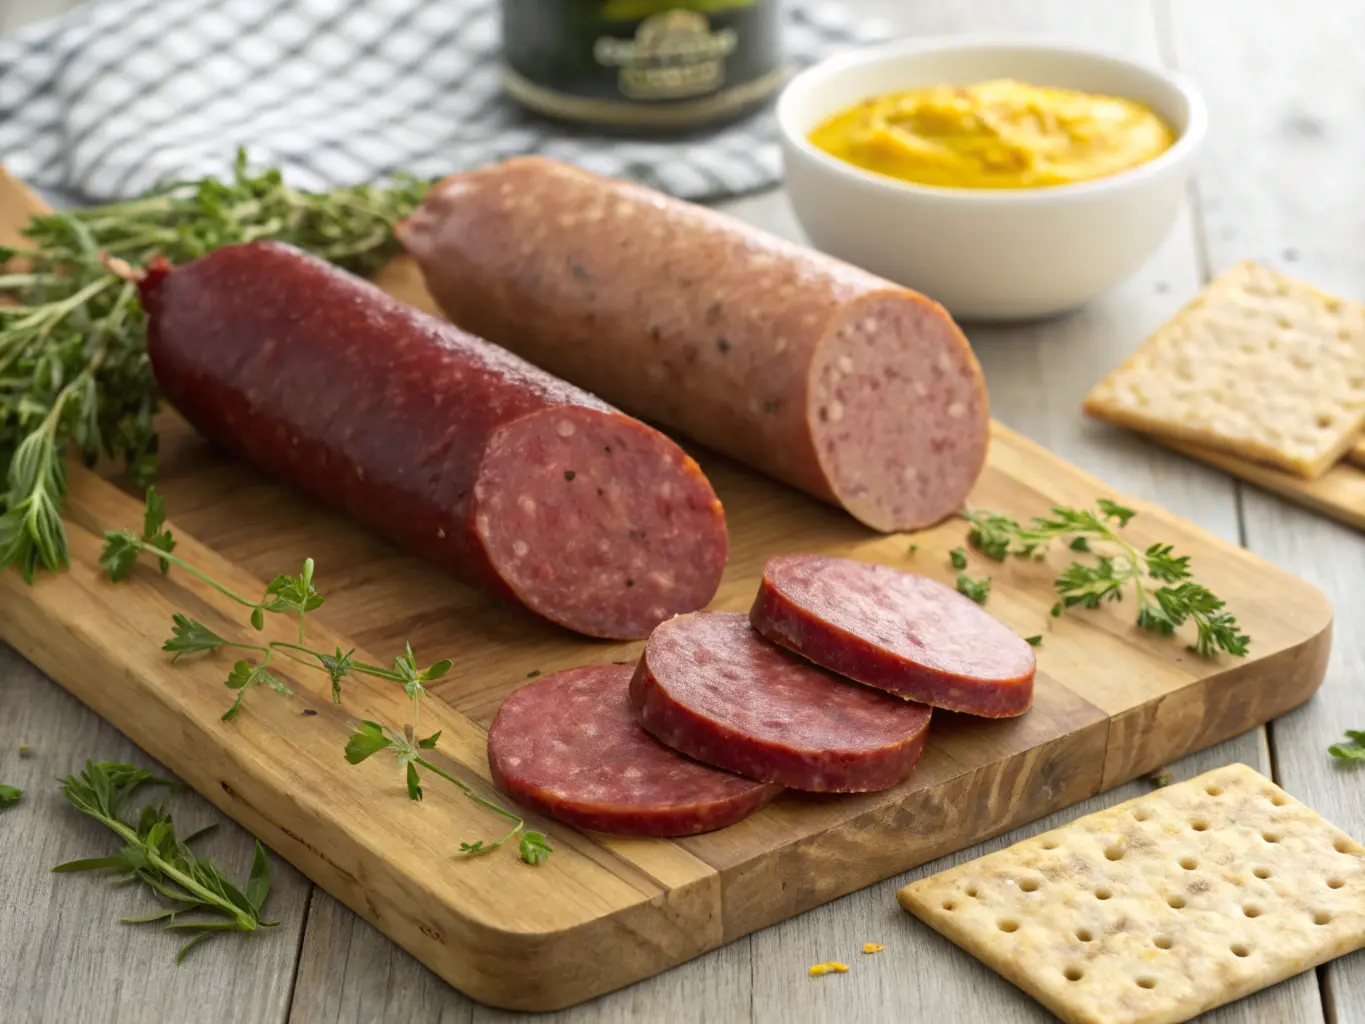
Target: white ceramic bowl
{"points": [[987, 254]]}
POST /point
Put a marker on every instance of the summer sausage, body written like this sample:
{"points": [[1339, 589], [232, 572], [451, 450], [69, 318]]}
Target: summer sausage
{"points": [[858, 391], [712, 688], [458, 450], [569, 747], [902, 633]]}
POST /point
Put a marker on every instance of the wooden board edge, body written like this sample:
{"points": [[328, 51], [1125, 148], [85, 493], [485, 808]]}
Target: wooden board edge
{"points": [[1214, 709], [1339, 493]]}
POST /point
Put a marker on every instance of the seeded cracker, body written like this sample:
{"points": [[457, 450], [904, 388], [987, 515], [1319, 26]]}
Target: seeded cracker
{"points": [[1162, 907], [1259, 365]]}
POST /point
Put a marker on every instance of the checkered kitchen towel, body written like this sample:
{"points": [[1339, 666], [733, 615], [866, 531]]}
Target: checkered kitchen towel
{"points": [[118, 95]]}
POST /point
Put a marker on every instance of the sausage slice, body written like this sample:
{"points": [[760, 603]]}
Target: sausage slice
{"points": [[898, 632], [569, 747], [712, 688], [460, 451], [851, 388]]}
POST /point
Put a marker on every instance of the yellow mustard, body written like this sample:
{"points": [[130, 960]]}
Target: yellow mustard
{"points": [[997, 134]]}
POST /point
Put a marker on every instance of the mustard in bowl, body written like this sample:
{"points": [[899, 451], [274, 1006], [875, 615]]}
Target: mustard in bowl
{"points": [[998, 134]]}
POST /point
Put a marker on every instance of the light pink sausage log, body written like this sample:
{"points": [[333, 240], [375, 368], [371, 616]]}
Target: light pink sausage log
{"points": [[853, 389]]}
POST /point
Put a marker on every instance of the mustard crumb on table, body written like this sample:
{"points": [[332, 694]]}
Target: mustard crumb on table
{"points": [[831, 967]]}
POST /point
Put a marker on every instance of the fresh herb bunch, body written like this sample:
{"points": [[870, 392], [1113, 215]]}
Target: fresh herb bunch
{"points": [[1162, 608], [9, 796], [1353, 749], [155, 856], [297, 596], [73, 354]]}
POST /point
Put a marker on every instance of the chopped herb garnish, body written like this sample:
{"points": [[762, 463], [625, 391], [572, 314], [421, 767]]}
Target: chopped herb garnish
{"points": [[1161, 778], [1036, 640], [977, 589], [912, 549], [958, 558], [25, 750], [569, 474], [578, 271], [9, 796], [723, 344], [629, 582], [535, 672], [309, 713], [772, 405]]}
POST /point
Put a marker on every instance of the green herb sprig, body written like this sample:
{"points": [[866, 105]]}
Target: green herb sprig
{"points": [[1353, 749], [74, 373], [1166, 594], [154, 855], [372, 737], [9, 797], [297, 596]]}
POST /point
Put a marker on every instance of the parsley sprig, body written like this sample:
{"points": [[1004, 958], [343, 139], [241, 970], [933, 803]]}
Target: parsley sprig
{"points": [[9, 796], [154, 855], [74, 373], [1165, 592], [1353, 749], [297, 596]]}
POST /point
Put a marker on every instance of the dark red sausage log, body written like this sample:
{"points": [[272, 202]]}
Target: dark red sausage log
{"points": [[569, 747], [458, 450], [849, 387], [901, 633], [712, 688]]}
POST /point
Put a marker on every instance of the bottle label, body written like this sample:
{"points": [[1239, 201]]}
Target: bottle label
{"points": [[673, 55]]}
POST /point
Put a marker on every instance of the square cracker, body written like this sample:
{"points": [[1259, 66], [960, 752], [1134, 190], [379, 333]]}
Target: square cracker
{"points": [[1162, 907], [1259, 365]]}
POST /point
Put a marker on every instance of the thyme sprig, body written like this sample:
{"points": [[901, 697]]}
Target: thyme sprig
{"points": [[74, 373], [296, 597]]}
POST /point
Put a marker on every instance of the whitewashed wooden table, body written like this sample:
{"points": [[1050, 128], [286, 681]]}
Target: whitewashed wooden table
{"points": [[1283, 181]]}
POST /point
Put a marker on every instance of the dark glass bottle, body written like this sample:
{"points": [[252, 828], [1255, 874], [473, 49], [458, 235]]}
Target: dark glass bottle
{"points": [[645, 64]]}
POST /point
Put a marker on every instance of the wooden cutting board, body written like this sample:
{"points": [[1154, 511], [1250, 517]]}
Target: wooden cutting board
{"points": [[1111, 703]]}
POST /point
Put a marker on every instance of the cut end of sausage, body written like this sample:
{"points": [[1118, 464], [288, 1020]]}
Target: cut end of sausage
{"points": [[569, 747], [899, 632], [712, 688], [598, 523], [898, 412]]}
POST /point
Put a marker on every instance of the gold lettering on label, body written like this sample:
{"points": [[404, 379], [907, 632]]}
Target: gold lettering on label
{"points": [[674, 54]]}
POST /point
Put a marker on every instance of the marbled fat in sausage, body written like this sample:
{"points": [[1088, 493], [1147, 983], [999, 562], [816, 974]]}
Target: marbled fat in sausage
{"points": [[460, 451], [851, 388], [896, 631], [569, 747], [712, 688]]}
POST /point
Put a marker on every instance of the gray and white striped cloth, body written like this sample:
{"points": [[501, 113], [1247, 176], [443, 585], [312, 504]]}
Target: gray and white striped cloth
{"points": [[119, 95]]}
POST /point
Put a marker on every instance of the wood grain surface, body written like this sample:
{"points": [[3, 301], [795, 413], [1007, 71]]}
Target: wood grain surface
{"points": [[1266, 57]]}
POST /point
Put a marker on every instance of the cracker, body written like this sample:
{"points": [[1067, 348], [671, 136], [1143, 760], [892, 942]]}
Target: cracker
{"points": [[1162, 907], [1259, 365], [1357, 453]]}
